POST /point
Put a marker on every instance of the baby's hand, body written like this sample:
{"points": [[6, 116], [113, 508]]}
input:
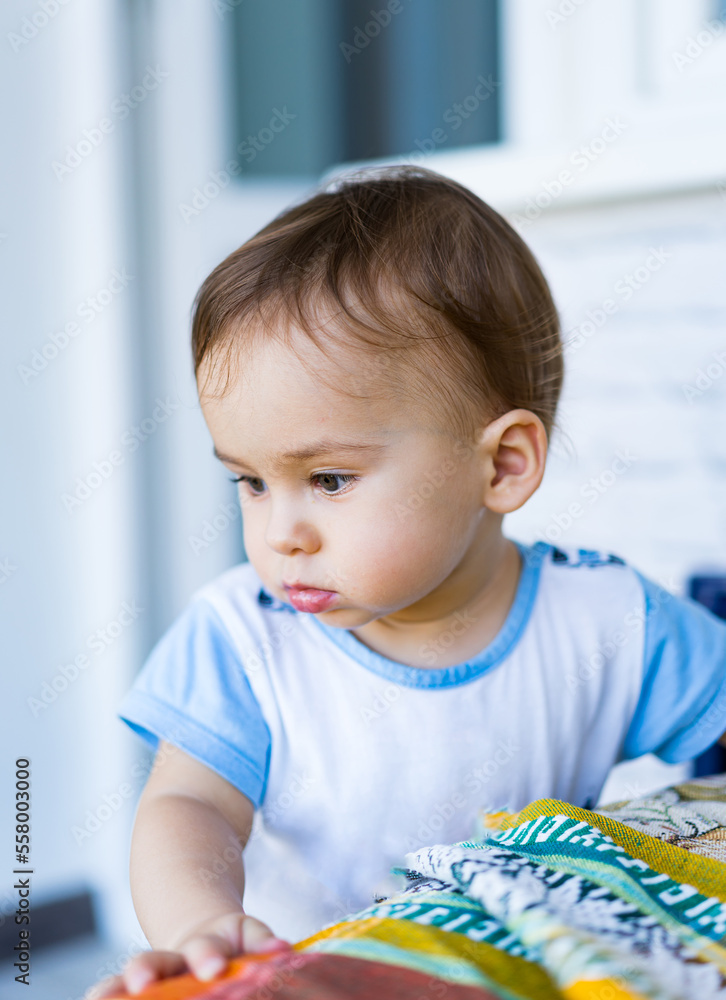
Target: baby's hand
{"points": [[205, 953]]}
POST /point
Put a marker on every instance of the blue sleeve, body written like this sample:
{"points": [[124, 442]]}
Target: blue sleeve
{"points": [[682, 706], [192, 691]]}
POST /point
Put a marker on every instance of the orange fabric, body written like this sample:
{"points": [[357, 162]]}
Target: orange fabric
{"points": [[299, 976]]}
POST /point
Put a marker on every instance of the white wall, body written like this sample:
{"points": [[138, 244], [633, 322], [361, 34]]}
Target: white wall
{"points": [[633, 385], [63, 238], [569, 64]]}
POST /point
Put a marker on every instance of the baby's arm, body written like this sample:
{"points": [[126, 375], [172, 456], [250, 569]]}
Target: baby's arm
{"points": [[188, 817]]}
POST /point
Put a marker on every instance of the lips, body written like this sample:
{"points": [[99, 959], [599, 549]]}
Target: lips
{"points": [[310, 599]]}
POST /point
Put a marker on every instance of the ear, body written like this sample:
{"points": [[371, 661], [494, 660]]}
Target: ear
{"points": [[514, 450]]}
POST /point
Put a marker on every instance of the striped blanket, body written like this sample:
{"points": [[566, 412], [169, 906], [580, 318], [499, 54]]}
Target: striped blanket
{"points": [[553, 902]]}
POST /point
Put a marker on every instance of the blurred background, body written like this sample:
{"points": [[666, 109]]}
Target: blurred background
{"points": [[143, 140]]}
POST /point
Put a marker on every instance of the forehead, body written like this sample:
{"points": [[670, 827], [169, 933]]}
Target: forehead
{"points": [[292, 367], [286, 395]]}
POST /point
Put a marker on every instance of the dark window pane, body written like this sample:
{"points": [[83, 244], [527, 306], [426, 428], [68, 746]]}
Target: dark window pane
{"points": [[285, 62], [435, 67], [363, 81]]}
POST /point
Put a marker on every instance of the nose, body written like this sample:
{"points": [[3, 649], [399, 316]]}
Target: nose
{"points": [[289, 529]]}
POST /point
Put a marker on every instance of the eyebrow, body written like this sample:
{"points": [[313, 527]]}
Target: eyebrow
{"points": [[317, 448]]}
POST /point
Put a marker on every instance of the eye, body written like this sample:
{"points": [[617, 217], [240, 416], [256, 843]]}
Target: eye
{"points": [[253, 482], [329, 483], [328, 479]]}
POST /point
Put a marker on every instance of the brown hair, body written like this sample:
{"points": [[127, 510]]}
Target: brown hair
{"points": [[410, 261]]}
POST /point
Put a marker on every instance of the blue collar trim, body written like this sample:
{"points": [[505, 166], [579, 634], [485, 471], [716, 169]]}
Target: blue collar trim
{"points": [[493, 654]]}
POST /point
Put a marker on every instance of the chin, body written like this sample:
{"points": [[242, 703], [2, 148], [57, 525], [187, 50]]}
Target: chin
{"points": [[345, 617]]}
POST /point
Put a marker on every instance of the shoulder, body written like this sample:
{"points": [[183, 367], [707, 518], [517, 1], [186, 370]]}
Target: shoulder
{"points": [[258, 626], [584, 559], [239, 593], [227, 629], [683, 703], [585, 593], [194, 691], [583, 573], [240, 581]]}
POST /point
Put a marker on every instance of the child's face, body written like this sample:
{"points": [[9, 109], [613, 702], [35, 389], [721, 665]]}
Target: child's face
{"points": [[380, 523]]}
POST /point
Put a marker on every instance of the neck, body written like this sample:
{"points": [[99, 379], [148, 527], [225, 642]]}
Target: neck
{"points": [[475, 597]]}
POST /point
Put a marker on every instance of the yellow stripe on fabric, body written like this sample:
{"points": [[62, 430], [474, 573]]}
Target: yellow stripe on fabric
{"points": [[706, 874], [598, 989], [416, 945]]}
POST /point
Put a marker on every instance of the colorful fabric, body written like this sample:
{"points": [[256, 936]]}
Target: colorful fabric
{"points": [[577, 903], [313, 977], [553, 903], [691, 815]]}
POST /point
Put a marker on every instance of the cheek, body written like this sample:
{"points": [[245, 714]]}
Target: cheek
{"points": [[406, 546], [432, 515], [253, 536]]}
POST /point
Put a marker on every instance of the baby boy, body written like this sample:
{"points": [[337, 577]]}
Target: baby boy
{"points": [[379, 369]]}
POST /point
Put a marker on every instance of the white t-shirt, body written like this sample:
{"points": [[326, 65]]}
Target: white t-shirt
{"points": [[353, 759]]}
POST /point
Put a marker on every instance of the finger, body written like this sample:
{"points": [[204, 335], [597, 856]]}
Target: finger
{"points": [[149, 966], [257, 937], [208, 955], [111, 987], [246, 934]]}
